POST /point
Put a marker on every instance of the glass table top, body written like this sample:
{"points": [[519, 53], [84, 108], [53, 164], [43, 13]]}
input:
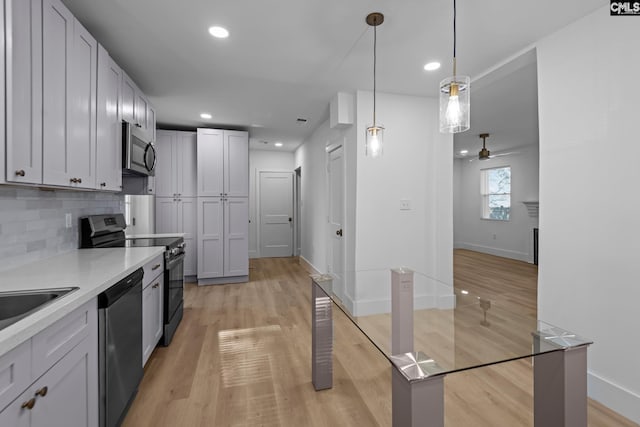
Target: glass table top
{"points": [[453, 329]]}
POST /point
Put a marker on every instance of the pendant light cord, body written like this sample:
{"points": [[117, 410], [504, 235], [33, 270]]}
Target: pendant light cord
{"points": [[454, 38], [374, 74]]}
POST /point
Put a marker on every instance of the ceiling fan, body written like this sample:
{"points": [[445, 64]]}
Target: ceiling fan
{"points": [[485, 154]]}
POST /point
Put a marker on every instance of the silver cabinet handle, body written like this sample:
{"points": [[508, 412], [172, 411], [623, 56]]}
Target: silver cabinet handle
{"points": [[155, 267], [156, 286]]}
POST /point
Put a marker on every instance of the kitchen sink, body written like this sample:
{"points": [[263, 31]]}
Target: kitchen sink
{"points": [[18, 305]]}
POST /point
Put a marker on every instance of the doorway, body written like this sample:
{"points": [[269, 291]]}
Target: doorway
{"points": [[276, 214], [297, 211], [335, 228]]}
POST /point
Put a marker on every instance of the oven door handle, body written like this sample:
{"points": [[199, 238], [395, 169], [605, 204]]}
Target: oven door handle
{"points": [[178, 259]]}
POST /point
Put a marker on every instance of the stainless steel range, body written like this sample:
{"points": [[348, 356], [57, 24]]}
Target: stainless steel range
{"points": [[107, 231]]}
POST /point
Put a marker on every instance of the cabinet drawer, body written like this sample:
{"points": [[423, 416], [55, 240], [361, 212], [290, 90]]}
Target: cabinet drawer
{"points": [[152, 269], [53, 343], [15, 373]]}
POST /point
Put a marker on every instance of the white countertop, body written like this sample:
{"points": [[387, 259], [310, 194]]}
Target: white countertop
{"points": [[92, 270], [152, 236]]}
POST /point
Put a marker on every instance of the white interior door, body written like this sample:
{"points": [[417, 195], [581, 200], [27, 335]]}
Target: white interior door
{"points": [[335, 172], [276, 214]]}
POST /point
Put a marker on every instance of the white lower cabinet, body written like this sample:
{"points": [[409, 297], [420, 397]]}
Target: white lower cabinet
{"points": [[152, 304], [223, 228], [66, 394]]}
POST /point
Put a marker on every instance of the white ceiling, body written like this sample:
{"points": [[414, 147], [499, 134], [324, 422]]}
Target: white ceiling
{"points": [[286, 59]]}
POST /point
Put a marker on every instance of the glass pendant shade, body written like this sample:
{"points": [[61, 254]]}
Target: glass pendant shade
{"points": [[454, 104], [375, 136]]}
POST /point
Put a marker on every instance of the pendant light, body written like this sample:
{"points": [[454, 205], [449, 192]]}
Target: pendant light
{"points": [[375, 133], [454, 96], [484, 154]]}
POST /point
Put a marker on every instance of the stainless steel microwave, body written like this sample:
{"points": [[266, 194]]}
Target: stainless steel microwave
{"points": [[138, 154]]}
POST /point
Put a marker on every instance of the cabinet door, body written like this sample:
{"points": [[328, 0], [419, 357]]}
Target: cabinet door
{"points": [[165, 176], [158, 300], [187, 221], [109, 128], [186, 147], [57, 46], [210, 237], [128, 94], [151, 123], [82, 126], [210, 162], [236, 237], [236, 164], [71, 397], [24, 91], [151, 317], [15, 415], [166, 215], [140, 110]]}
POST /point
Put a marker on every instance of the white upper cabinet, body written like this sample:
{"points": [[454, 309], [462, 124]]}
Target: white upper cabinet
{"points": [[109, 127], [236, 163], [151, 122], [69, 66], [176, 164], [136, 109], [223, 163], [210, 162], [128, 100], [23, 91], [140, 110]]}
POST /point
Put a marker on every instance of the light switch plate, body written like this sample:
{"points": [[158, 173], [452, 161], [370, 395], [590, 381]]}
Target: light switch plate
{"points": [[67, 220]]}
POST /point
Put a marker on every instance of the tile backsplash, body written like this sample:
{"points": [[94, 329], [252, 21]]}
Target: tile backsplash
{"points": [[33, 221]]}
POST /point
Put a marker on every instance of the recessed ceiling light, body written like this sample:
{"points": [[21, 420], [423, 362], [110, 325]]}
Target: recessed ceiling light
{"points": [[278, 144], [219, 32], [205, 116], [431, 66], [464, 151]]}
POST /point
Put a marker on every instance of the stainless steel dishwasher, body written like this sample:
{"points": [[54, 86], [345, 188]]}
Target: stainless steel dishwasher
{"points": [[120, 347]]}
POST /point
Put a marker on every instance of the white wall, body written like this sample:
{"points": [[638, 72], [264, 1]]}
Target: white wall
{"points": [[262, 160], [311, 158], [513, 238], [589, 197], [417, 165]]}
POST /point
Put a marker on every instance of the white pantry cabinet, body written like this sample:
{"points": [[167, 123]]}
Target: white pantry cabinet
{"points": [[63, 375], [69, 63], [109, 125], [223, 206], [176, 164], [178, 215], [23, 37]]}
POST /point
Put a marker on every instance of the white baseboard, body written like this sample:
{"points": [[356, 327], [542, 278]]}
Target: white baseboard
{"points": [[623, 401], [420, 302], [505, 253], [254, 254], [311, 269]]}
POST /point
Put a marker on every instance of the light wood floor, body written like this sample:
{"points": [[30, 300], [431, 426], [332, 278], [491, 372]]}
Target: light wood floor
{"points": [[241, 357]]}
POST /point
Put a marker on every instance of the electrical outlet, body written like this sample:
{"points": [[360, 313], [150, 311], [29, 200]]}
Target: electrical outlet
{"points": [[494, 237], [405, 205], [67, 220]]}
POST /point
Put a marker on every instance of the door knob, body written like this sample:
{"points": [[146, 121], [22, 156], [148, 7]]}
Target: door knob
{"points": [[290, 219], [20, 172], [339, 233]]}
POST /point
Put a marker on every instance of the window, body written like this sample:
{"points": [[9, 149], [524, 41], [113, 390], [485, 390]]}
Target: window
{"points": [[495, 189]]}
